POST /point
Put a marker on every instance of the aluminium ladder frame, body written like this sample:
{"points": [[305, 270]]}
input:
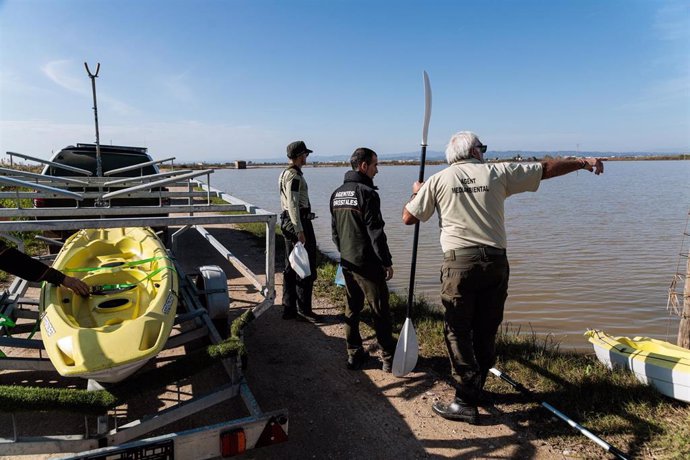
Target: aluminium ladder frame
{"points": [[258, 424]]}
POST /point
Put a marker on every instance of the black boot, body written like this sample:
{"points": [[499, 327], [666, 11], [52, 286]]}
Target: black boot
{"points": [[309, 316], [357, 359], [458, 410]]}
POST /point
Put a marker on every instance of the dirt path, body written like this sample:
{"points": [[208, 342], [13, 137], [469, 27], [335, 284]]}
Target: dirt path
{"points": [[338, 413]]}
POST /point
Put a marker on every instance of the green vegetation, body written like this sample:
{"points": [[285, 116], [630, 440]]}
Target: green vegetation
{"points": [[612, 404], [18, 398], [31, 245]]}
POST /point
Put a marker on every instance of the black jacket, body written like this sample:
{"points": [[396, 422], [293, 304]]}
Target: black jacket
{"points": [[24, 266], [357, 224]]}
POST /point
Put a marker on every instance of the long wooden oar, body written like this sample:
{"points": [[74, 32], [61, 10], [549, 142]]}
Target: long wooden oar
{"points": [[603, 444], [407, 350]]}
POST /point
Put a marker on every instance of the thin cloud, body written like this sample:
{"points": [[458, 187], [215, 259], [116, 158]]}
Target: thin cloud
{"points": [[179, 88], [12, 83], [662, 94], [59, 73], [672, 21], [63, 73]]}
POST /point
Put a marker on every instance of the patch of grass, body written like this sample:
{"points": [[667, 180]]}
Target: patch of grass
{"points": [[32, 246], [610, 403]]}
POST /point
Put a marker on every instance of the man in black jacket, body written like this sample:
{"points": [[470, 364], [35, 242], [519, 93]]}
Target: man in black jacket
{"points": [[357, 227]]}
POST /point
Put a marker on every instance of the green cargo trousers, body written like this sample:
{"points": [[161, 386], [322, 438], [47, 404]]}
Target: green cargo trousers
{"points": [[473, 291], [374, 290]]}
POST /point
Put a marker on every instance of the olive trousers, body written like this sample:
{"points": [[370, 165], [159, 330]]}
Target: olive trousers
{"points": [[371, 287], [473, 292]]}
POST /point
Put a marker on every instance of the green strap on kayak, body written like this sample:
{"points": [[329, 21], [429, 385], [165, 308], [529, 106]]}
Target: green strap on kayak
{"points": [[105, 289], [7, 323], [134, 263]]}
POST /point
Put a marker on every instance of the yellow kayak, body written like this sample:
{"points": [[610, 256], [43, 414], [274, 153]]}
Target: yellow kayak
{"points": [[129, 315], [660, 364]]}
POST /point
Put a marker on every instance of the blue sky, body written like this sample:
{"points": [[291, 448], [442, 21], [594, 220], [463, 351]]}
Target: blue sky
{"points": [[225, 80]]}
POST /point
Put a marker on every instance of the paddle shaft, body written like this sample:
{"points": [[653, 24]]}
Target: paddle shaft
{"points": [[407, 349], [415, 241], [606, 446]]}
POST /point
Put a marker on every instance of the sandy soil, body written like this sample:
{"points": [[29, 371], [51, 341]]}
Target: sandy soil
{"points": [[334, 412], [338, 413]]}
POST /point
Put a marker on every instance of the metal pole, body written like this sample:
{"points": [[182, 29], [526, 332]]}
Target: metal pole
{"points": [[93, 76], [415, 242], [606, 446]]}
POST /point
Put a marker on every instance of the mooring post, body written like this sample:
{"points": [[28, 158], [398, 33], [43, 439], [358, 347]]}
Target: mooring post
{"points": [[684, 327]]}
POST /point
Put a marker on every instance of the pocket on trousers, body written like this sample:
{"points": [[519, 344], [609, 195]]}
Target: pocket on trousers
{"points": [[287, 228], [455, 272]]}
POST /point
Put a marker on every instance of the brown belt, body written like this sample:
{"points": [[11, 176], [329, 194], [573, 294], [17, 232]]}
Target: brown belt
{"points": [[474, 251]]}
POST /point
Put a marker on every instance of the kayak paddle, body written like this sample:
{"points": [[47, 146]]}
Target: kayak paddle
{"points": [[603, 444], [407, 350]]}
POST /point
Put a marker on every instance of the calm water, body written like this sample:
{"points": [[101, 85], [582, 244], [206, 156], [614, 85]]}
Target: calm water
{"points": [[585, 251]]}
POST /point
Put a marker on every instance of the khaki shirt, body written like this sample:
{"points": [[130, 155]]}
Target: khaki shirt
{"points": [[468, 197], [294, 195]]}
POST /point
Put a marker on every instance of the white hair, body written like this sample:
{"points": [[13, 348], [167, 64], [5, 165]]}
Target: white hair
{"points": [[460, 146]]}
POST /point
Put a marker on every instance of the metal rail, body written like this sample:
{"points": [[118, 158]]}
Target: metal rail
{"points": [[141, 179], [45, 188], [157, 183], [40, 177], [51, 163], [136, 166], [92, 195]]}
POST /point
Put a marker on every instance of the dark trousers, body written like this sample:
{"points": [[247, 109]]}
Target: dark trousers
{"points": [[372, 288], [297, 291], [473, 291]]}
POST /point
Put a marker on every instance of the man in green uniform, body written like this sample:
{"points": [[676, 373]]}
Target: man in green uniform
{"points": [[357, 229], [295, 223], [469, 197]]}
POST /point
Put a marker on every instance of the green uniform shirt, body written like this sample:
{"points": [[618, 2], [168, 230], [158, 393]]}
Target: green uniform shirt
{"points": [[294, 195]]}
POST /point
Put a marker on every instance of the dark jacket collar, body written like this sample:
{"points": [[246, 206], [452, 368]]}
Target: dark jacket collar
{"points": [[356, 176], [297, 169]]}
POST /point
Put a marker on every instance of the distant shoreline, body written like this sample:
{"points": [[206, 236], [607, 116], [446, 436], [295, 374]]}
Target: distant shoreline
{"points": [[319, 164]]}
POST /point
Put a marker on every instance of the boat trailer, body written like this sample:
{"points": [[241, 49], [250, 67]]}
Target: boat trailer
{"points": [[204, 313]]}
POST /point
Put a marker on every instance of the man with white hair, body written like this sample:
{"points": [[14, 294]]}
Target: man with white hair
{"points": [[469, 196]]}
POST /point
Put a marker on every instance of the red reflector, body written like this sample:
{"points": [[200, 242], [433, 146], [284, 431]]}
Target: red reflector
{"points": [[233, 442], [273, 432]]}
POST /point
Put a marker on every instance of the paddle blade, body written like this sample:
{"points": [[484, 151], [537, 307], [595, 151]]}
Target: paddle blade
{"points": [[407, 350], [427, 108]]}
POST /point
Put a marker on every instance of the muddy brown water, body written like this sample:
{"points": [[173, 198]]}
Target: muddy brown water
{"points": [[585, 251]]}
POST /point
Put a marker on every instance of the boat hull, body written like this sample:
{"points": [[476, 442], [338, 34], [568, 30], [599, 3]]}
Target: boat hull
{"points": [[660, 364], [128, 317]]}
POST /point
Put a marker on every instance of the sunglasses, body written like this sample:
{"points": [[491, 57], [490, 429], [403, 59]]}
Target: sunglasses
{"points": [[481, 147]]}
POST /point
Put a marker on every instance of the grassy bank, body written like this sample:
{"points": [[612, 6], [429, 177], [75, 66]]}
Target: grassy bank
{"points": [[32, 246], [612, 404]]}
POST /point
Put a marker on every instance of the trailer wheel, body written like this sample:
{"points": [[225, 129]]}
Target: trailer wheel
{"points": [[213, 294]]}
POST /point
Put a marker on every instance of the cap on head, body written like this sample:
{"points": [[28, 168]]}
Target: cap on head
{"points": [[296, 149]]}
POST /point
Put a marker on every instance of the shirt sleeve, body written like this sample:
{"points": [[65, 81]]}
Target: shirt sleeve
{"points": [[374, 223], [334, 225], [26, 267], [522, 177], [422, 206], [292, 191]]}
